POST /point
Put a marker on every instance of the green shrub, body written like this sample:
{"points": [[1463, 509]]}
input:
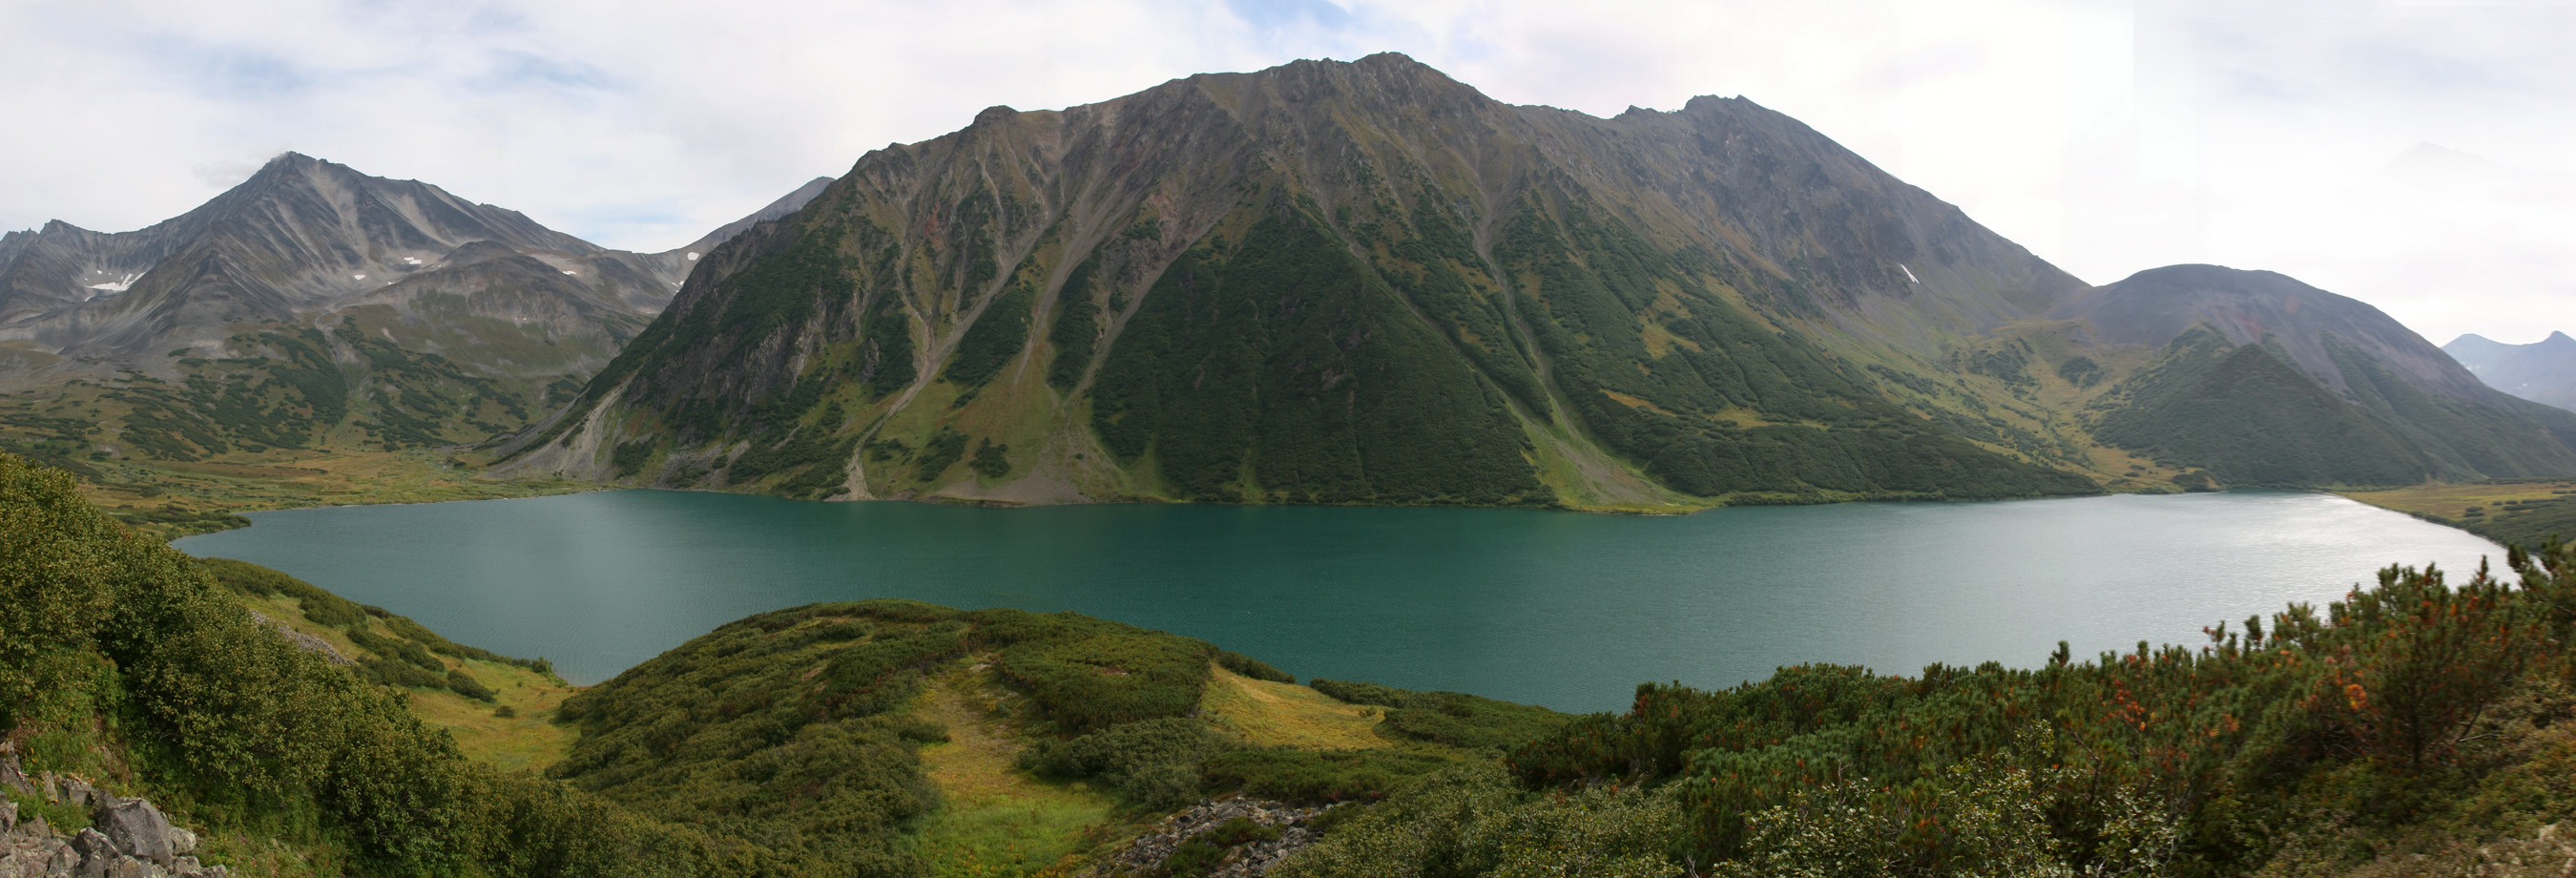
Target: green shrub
{"points": [[1450, 718], [1252, 667], [1472, 820], [465, 684], [991, 461], [1317, 776], [1121, 750]]}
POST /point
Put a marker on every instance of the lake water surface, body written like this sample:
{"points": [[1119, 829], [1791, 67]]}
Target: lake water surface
{"points": [[1568, 610]]}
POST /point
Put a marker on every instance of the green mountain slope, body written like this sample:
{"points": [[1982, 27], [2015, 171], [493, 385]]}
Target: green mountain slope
{"points": [[2261, 380], [1334, 283]]}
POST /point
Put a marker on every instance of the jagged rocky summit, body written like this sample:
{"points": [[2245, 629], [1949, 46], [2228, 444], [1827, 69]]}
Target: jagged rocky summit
{"points": [[314, 304]]}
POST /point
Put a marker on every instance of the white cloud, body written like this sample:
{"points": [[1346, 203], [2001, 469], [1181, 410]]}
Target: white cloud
{"points": [[2108, 136]]}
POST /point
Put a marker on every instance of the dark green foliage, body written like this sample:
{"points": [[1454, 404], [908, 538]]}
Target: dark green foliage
{"points": [[465, 684], [1252, 667], [885, 353], [1472, 820], [1449, 718], [1317, 776], [2009, 363], [399, 674], [772, 728], [2252, 419], [1087, 674], [630, 457], [938, 453], [991, 461], [815, 456], [1077, 325], [322, 607], [111, 641], [403, 651], [994, 339], [2396, 708], [1151, 763], [2080, 371], [1283, 369]]}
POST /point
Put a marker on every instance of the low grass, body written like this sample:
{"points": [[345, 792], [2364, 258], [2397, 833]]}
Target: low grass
{"points": [[995, 821], [135, 490], [1268, 714], [2447, 502], [529, 739]]}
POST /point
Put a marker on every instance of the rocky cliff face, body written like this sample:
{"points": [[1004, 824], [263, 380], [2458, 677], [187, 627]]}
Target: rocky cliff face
{"points": [[1328, 282]]}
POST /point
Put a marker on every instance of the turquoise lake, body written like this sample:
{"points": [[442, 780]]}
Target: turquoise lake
{"points": [[1563, 609]]}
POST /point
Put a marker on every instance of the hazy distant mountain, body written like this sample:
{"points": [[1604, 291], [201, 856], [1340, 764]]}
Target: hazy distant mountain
{"points": [[312, 294], [1336, 282], [2543, 371], [2262, 379]]}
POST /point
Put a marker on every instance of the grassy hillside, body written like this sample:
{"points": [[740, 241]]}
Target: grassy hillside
{"points": [[305, 734], [2252, 419]]}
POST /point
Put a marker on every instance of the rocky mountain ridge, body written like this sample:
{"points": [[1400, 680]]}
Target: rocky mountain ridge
{"points": [[345, 307], [2543, 371], [1550, 305], [2262, 380], [1366, 282]]}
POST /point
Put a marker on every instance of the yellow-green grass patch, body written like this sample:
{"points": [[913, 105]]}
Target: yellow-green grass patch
{"points": [[529, 739], [2451, 502], [995, 821], [1281, 714]]}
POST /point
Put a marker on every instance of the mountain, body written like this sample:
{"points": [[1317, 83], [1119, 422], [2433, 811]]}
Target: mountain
{"points": [[1336, 282], [2543, 371], [311, 305], [2263, 380]]}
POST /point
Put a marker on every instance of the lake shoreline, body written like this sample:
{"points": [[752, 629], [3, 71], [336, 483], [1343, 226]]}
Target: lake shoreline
{"points": [[1540, 609]]}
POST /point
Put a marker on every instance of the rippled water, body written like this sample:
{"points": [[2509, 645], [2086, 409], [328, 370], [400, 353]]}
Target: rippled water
{"points": [[1564, 609]]}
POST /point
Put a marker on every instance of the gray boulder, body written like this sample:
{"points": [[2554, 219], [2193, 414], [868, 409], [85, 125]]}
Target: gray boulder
{"points": [[137, 828], [97, 854]]}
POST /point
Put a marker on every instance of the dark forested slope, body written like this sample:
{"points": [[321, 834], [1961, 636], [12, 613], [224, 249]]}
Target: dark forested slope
{"points": [[1325, 282]]}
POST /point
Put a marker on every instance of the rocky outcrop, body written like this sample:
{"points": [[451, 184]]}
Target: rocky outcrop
{"points": [[1151, 852], [127, 838], [304, 641]]}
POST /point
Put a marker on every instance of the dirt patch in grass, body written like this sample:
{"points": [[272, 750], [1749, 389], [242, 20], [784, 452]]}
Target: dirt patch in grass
{"points": [[1280, 714]]}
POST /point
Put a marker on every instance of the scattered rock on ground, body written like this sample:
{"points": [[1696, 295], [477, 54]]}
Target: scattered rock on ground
{"points": [[1252, 860], [129, 838]]}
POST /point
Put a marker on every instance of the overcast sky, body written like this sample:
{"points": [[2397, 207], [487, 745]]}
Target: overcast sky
{"points": [[2420, 156]]}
